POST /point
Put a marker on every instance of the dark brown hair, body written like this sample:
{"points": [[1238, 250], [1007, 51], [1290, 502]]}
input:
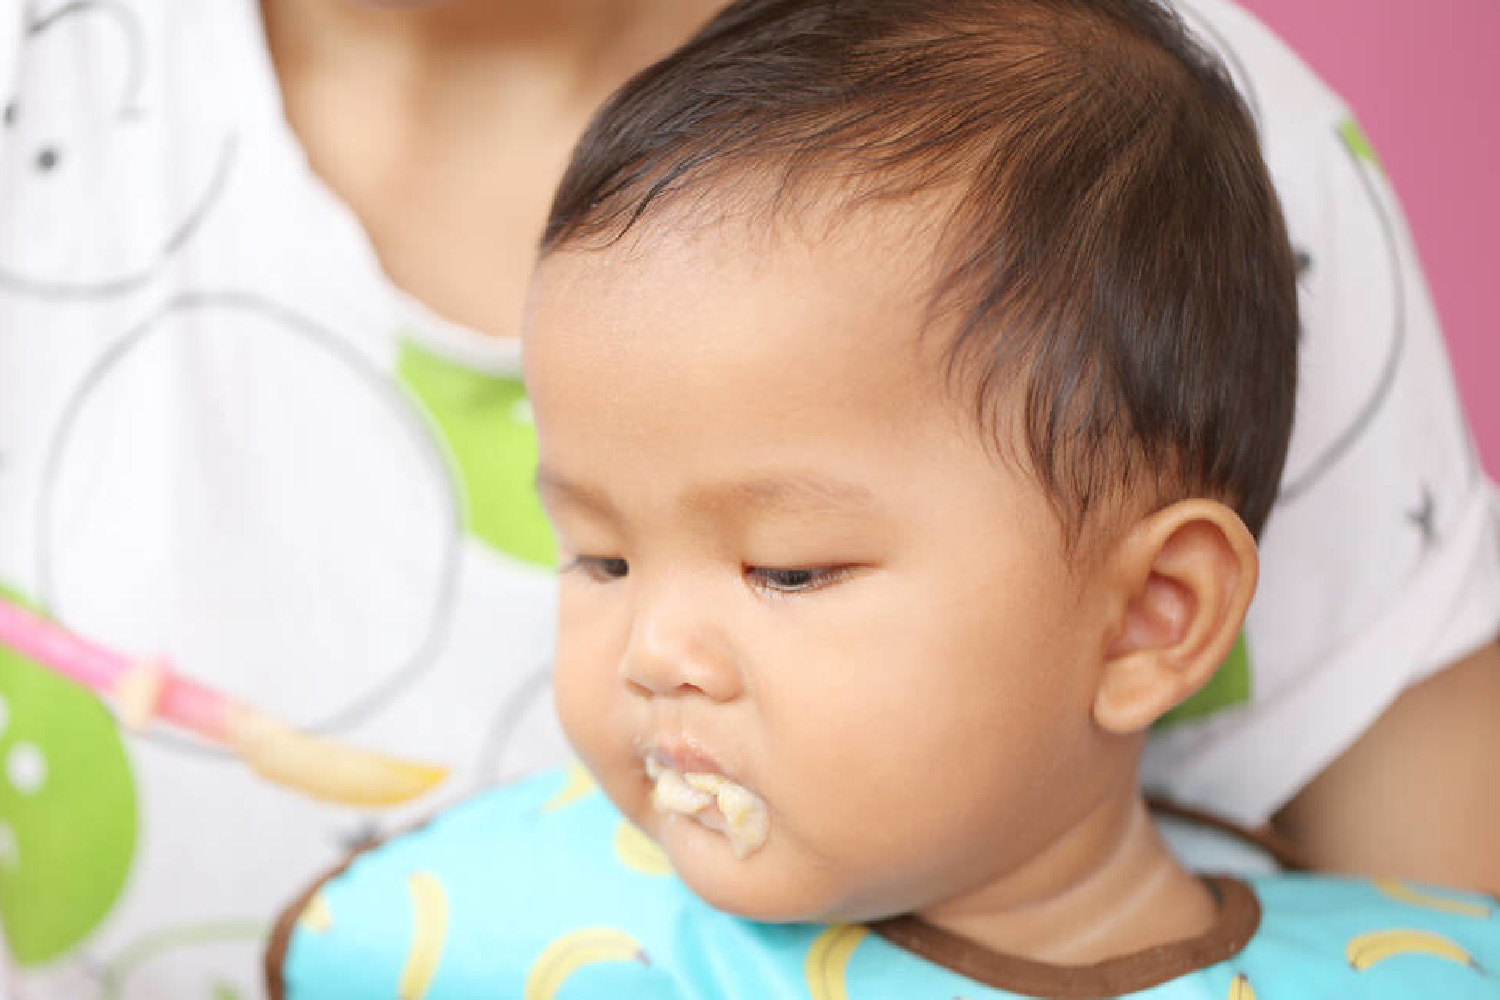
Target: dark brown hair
{"points": [[1114, 248]]}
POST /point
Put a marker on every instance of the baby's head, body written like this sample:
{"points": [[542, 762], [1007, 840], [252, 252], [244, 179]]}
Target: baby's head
{"points": [[906, 376]]}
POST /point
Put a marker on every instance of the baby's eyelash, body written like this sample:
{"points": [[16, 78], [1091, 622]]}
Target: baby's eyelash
{"points": [[797, 580], [600, 569]]}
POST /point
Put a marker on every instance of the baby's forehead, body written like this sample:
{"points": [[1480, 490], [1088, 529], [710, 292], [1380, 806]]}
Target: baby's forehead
{"points": [[682, 292], [678, 266], [891, 248], [685, 294]]}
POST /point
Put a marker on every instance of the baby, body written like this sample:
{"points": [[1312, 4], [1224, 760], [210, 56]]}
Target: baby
{"points": [[910, 381]]}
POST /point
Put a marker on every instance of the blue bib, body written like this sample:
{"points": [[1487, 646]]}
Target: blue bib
{"points": [[542, 891]]}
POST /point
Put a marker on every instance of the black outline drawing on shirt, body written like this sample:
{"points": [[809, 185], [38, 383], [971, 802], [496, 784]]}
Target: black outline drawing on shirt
{"points": [[1324, 461], [134, 42], [1424, 518], [405, 670], [129, 110]]}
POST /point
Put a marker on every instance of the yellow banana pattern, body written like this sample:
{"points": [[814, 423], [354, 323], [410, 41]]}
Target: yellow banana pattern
{"points": [[317, 915], [576, 785], [639, 852], [828, 960], [1241, 989], [571, 952], [1403, 892], [429, 931], [1367, 950]]}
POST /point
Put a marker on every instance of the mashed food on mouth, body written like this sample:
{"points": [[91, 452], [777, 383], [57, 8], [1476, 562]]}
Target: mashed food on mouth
{"points": [[714, 801]]}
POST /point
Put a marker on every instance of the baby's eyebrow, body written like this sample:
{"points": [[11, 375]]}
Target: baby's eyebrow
{"points": [[794, 492], [551, 486]]}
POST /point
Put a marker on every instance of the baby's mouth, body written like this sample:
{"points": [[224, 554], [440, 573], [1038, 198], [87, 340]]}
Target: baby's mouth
{"points": [[714, 801]]}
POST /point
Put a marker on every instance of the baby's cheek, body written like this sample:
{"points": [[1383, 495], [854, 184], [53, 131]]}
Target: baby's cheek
{"points": [[588, 706], [590, 643], [579, 705], [834, 807]]}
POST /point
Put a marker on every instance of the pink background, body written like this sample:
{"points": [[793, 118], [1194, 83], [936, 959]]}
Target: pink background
{"points": [[1424, 80]]}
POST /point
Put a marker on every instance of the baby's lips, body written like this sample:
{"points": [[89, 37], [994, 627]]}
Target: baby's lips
{"points": [[682, 756]]}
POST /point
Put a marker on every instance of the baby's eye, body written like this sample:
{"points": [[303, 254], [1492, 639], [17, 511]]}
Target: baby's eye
{"points": [[795, 581], [601, 569]]}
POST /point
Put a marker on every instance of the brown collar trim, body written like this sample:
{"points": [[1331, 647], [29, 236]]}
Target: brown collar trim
{"points": [[274, 958], [1235, 925]]}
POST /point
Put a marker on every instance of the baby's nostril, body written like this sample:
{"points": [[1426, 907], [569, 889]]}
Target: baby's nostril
{"points": [[10, 113], [46, 159]]}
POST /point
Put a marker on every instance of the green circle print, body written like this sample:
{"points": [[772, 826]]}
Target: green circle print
{"points": [[67, 810]]}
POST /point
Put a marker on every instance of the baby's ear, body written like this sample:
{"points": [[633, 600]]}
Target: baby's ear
{"points": [[1182, 580]]}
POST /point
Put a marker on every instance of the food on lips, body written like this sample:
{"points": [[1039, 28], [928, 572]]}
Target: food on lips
{"points": [[714, 801]]}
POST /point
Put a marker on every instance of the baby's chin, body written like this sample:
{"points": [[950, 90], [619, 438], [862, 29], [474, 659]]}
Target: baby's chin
{"points": [[776, 884]]}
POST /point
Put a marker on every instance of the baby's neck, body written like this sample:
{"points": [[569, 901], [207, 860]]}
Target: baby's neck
{"points": [[1108, 887]]}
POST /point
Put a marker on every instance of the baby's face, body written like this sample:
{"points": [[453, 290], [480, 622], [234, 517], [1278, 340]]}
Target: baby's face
{"points": [[790, 564]]}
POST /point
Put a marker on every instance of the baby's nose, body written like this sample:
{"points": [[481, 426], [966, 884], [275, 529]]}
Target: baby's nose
{"points": [[674, 654]]}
